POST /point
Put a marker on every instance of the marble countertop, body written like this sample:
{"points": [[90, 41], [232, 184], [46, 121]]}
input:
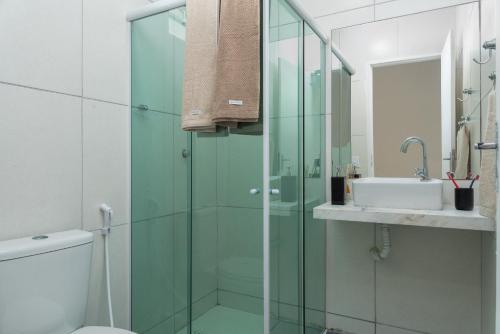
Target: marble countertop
{"points": [[449, 217]]}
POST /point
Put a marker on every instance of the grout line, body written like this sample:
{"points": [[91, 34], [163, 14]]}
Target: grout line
{"points": [[272, 300], [481, 274], [112, 227], [376, 323], [13, 84], [82, 166], [82, 203], [351, 317], [159, 217], [375, 280], [104, 101], [81, 50], [156, 111], [344, 11], [38, 89], [416, 331]]}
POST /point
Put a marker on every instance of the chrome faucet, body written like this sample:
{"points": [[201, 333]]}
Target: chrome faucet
{"points": [[423, 172]]}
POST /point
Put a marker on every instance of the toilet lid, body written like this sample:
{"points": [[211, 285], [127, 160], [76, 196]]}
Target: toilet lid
{"points": [[101, 330]]}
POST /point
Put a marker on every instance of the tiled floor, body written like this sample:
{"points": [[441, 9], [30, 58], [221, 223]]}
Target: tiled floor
{"points": [[223, 320]]}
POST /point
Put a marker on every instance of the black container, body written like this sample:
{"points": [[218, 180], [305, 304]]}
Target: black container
{"points": [[338, 190], [289, 188], [464, 199]]}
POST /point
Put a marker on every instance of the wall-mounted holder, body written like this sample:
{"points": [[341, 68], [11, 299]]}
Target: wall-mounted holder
{"points": [[107, 213], [490, 46], [493, 77], [468, 92]]}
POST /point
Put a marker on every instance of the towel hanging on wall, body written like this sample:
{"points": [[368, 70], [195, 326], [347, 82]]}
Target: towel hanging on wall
{"points": [[237, 96], [487, 188], [200, 65]]}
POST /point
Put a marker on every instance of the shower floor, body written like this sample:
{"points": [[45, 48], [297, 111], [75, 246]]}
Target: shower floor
{"points": [[225, 320], [222, 320]]}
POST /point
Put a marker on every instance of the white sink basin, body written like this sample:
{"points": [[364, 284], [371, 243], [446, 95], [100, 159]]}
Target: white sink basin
{"points": [[398, 193]]}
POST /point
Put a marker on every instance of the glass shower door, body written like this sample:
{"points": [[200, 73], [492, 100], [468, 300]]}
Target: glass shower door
{"points": [[197, 201], [227, 219], [285, 166], [160, 177], [314, 273]]}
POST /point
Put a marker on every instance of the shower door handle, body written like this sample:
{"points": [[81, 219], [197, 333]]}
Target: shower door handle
{"points": [[254, 191], [486, 146]]}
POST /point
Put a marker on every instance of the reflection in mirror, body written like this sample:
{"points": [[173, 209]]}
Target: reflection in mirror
{"points": [[341, 116], [418, 75]]}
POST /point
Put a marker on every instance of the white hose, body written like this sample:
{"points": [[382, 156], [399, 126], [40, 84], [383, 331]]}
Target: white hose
{"points": [[377, 253], [108, 280], [107, 212]]}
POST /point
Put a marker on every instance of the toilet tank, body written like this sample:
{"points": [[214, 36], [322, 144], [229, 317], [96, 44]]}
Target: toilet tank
{"points": [[44, 283]]}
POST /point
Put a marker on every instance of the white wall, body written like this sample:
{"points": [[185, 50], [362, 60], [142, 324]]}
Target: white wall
{"points": [[64, 129]]}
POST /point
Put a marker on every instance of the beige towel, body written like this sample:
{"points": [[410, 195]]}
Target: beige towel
{"points": [[238, 62], [487, 187], [463, 153], [200, 65]]}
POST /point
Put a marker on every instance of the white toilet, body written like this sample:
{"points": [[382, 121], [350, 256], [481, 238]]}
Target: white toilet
{"points": [[44, 283]]}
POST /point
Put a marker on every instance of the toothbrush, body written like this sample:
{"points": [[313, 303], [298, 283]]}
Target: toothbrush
{"points": [[452, 178], [339, 169], [474, 180]]}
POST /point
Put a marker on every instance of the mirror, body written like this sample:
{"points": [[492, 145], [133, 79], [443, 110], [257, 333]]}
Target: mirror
{"points": [[416, 76]]}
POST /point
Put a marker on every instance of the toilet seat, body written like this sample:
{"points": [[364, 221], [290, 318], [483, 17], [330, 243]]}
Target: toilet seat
{"points": [[101, 330]]}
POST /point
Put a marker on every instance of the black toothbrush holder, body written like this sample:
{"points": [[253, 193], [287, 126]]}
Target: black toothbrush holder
{"points": [[338, 190], [464, 199]]}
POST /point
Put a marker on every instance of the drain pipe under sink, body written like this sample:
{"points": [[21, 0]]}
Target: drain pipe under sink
{"points": [[107, 212], [381, 254]]}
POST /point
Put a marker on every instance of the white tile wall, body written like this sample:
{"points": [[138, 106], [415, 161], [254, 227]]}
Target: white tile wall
{"points": [[350, 270], [64, 128], [379, 41], [106, 49], [431, 282], [414, 39], [358, 108], [41, 169], [106, 150], [360, 149], [41, 44]]}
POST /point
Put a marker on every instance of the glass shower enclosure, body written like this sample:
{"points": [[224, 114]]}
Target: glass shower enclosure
{"points": [[223, 237]]}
